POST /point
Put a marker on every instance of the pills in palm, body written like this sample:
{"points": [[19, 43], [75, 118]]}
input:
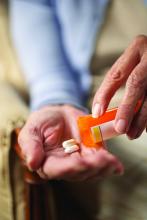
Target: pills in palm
{"points": [[69, 143], [70, 146], [71, 149]]}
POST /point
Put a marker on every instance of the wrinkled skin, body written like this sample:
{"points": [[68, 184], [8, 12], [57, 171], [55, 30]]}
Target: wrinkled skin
{"points": [[41, 143], [129, 69]]}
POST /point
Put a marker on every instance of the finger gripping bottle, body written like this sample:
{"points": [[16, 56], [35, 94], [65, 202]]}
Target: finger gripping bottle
{"points": [[93, 131]]}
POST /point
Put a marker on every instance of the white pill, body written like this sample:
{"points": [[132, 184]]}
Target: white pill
{"points": [[71, 149], [69, 143]]}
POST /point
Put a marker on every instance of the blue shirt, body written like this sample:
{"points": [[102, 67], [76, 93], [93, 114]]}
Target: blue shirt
{"points": [[55, 40]]}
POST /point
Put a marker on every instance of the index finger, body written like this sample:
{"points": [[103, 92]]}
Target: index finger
{"points": [[115, 77]]}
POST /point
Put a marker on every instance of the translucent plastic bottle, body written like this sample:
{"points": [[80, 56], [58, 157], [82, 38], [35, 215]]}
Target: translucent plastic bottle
{"points": [[94, 131]]}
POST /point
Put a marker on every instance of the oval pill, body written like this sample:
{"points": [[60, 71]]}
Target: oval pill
{"points": [[69, 143], [71, 149]]}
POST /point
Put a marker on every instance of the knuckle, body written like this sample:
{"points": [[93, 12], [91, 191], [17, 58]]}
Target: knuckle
{"points": [[33, 130], [136, 81], [116, 76], [124, 111], [140, 39]]}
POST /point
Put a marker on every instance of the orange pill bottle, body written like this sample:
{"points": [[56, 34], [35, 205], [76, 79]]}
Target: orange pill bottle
{"points": [[94, 131]]}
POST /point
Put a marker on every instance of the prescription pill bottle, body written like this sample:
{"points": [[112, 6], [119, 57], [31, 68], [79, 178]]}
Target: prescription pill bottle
{"points": [[94, 131]]}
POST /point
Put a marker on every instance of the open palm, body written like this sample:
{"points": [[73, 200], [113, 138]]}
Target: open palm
{"points": [[41, 142]]}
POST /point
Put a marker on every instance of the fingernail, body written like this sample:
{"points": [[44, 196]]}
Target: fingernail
{"points": [[121, 126], [96, 111]]}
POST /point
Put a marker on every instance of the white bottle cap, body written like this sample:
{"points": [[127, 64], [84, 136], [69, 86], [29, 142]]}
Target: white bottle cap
{"points": [[103, 131]]}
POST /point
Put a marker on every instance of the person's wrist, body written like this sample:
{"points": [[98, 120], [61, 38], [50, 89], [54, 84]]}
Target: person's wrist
{"points": [[64, 106], [49, 106]]}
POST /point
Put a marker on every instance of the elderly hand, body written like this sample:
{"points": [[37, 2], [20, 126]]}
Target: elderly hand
{"points": [[41, 143], [130, 68]]}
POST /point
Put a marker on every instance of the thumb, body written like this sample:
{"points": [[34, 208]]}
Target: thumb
{"points": [[32, 148]]}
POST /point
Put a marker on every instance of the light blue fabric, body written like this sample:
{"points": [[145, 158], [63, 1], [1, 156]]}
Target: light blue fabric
{"points": [[54, 41]]}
